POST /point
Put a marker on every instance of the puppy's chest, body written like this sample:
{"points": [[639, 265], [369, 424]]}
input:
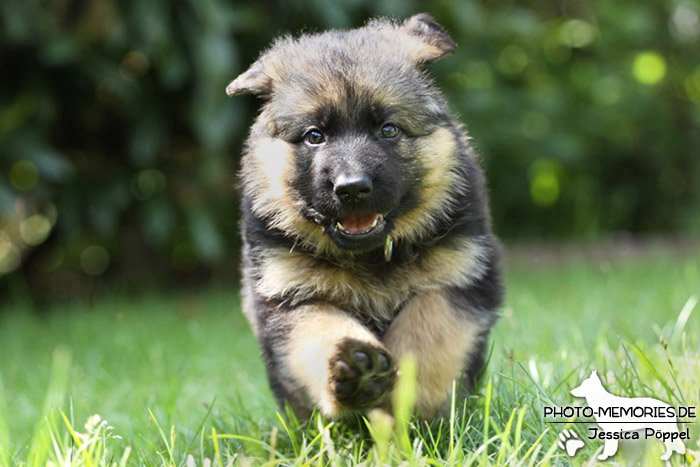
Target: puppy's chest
{"points": [[377, 292], [297, 278]]}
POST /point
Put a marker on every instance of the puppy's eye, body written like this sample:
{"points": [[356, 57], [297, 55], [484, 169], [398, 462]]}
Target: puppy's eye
{"points": [[314, 136], [390, 130]]}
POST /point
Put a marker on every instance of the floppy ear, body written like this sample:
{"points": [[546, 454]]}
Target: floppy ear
{"points": [[430, 41], [254, 81]]}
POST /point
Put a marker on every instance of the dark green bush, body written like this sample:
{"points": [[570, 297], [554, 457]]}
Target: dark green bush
{"points": [[119, 148]]}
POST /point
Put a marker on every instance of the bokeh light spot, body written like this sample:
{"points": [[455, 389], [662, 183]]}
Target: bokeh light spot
{"points": [[649, 68], [512, 60], [477, 75], [544, 182], [24, 175], [34, 229], [147, 183], [94, 260], [577, 33], [685, 22], [10, 256], [607, 90], [134, 64]]}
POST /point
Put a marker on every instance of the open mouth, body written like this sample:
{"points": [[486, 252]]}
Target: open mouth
{"points": [[360, 225]]}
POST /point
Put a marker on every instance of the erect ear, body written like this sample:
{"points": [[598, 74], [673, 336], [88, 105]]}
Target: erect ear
{"points": [[430, 41], [254, 81]]}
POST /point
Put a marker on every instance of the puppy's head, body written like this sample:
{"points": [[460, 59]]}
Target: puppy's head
{"points": [[353, 143]]}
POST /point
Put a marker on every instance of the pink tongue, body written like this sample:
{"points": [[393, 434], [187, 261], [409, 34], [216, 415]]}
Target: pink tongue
{"points": [[358, 223]]}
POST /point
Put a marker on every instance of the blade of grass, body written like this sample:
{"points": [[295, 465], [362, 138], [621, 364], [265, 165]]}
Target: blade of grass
{"points": [[292, 435], [217, 448], [41, 440], [505, 437], [76, 439], [683, 316], [266, 446], [535, 446], [404, 402], [163, 437], [4, 429], [517, 444], [647, 363], [487, 416], [201, 425], [60, 451], [125, 457], [453, 403], [379, 426]]}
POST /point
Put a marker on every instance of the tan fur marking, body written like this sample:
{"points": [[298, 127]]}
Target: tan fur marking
{"points": [[440, 339], [300, 277], [318, 329], [329, 93], [436, 153], [266, 170], [268, 163], [419, 51], [249, 310]]}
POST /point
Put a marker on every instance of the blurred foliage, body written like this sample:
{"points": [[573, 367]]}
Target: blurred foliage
{"points": [[118, 146]]}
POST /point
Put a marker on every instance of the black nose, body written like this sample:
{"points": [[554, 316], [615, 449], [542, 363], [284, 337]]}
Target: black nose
{"points": [[352, 187]]}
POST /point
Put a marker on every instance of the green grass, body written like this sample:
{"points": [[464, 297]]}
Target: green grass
{"points": [[177, 380]]}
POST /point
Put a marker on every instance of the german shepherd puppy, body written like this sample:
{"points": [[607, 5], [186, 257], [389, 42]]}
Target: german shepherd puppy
{"points": [[365, 221]]}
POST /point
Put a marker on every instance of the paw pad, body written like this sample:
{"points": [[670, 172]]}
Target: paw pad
{"points": [[361, 374]]}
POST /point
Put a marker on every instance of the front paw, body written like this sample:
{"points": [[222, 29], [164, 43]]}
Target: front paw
{"points": [[360, 374]]}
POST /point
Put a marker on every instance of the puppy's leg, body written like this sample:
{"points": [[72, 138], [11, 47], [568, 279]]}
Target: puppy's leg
{"points": [[330, 357], [443, 340]]}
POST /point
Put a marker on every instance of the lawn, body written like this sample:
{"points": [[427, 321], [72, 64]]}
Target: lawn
{"points": [[177, 379]]}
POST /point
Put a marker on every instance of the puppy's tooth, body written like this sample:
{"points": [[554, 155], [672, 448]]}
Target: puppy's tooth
{"points": [[374, 224], [340, 226]]}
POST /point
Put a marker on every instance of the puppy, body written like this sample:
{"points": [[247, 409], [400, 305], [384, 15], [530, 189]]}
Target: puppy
{"points": [[365, 221]]}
